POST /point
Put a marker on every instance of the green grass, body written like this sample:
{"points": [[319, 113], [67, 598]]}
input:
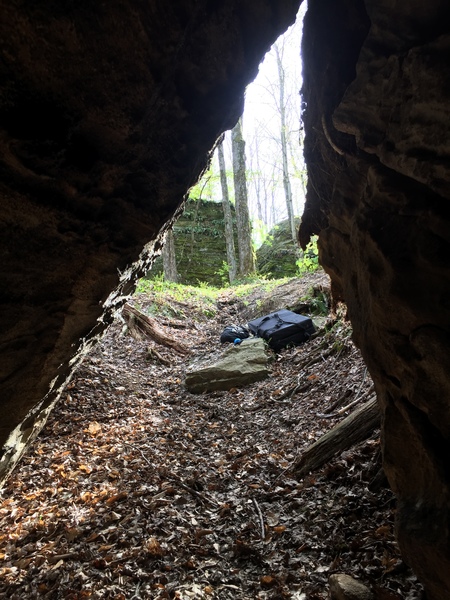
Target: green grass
{"points": [[176, 300], [160, 297]]}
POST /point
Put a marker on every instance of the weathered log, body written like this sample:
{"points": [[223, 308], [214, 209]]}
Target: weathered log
{"points": [[355, 428], [142, 325]]}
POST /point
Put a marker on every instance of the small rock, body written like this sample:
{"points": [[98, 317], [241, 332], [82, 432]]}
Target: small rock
{"points": [[344, 587]]}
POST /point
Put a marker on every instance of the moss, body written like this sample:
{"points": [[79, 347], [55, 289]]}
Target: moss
{"points": [[277, 256], [200, 248]]}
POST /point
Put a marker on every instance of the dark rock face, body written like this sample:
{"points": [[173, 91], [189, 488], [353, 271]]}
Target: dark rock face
{"points": [[377, 122], [107, 114]]}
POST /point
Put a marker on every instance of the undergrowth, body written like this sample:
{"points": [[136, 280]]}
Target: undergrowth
{"points": [[173, 300]]}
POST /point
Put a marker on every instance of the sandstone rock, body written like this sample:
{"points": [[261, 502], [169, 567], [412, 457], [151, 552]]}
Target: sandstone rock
{"points": [[239, 365], [377, 145], [344, 587]]}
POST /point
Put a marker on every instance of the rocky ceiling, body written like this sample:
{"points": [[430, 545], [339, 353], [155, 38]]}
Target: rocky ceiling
{"points": [[107, 113]]}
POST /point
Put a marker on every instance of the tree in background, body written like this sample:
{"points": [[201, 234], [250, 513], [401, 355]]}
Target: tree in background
{"points": [[244, 229], [228, 220], [169, 258], [272, 118], [267, 181], [284, 145]]}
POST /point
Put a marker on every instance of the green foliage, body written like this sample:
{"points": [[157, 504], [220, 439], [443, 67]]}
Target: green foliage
{"points": [[244, 287], [319, 304], [224, 273], [309, 262], [208, 187], [259, 233], [170, 298], [157, 284]]}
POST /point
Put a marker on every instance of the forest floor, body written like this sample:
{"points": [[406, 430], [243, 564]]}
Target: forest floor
{"points": [[138, 489]]}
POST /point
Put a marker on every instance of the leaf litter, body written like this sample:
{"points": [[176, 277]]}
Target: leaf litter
{"points": [[137, 489]]}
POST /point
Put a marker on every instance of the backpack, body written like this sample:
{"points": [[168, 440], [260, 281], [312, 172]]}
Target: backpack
{"points": [[233, 332], [283, 328]]}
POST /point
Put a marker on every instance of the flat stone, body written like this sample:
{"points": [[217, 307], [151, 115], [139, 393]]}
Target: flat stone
{"points": [[238, 365], [344, 587]]}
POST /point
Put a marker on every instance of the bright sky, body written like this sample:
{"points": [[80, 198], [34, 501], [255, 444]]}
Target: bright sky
{"points": [[262, 126]]}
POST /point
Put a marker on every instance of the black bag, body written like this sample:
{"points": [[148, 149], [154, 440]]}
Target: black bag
{"points": [[283, 328], [234, 332]]}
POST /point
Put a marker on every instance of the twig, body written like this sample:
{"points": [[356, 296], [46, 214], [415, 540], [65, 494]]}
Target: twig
{"points": [[261, 519], [355, 401], [55, 558], [342, 397], [286, 469], [152, 353], [136, 595], [177, 480], [300, 387], [349, 406], [362, 382]]}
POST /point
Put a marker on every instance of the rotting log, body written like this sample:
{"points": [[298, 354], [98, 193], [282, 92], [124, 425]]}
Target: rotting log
{"points": [[355, 428], [141, 325]]}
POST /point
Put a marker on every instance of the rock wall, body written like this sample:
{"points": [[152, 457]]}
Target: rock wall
{"points": [[277, 256], [377, 120], [200, 246], [107, 114]]}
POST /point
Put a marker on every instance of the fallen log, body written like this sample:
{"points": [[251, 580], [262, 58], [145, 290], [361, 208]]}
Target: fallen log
{"points": [[141, 325], [355, 428]]}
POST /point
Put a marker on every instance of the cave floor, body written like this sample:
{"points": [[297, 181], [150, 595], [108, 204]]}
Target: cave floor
{"points": [[138, 489]]}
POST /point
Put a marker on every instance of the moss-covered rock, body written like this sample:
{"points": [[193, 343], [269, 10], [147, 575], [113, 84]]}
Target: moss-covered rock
{"points": [[200, 248], [277, 256]]}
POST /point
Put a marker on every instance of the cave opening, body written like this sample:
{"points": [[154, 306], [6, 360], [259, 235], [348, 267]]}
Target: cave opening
{"points": [[143, 93]]}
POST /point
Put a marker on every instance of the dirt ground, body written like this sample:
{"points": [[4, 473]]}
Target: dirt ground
{"points": [[137, 489]]}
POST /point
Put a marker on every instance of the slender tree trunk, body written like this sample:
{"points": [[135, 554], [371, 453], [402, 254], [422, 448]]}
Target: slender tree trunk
{"points": [[259, 184], [227, 216], [169, 258], [245, 247], [284, 150]]}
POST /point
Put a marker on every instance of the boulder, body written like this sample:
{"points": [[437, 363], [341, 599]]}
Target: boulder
{"points": [[238, 365], [344, 587], [277, 256]]}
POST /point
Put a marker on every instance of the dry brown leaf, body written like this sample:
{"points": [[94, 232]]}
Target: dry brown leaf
{"points": [[94, 428], [268, 580], [153, 547], [116, 498]]}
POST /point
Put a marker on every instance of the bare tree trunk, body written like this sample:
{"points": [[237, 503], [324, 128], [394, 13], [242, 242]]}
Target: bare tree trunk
{"points": [[284, 149], [355, 428], [245, 247], [259, 185], [227, 216], [169, 258]]}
